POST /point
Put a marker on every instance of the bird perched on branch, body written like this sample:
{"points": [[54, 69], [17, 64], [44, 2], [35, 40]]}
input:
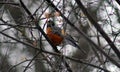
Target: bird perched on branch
{"points": [[54, 33], [58, 36]]}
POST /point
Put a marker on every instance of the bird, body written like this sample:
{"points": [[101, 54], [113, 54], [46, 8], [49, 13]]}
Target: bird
{"points": [[58, 36], [54, 33]]}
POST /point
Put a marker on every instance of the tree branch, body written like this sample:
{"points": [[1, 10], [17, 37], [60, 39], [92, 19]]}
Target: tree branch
{"points": [[118, 1], [10, 3]]}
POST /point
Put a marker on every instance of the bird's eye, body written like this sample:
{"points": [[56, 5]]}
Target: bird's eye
{"points": [[51, 23]]}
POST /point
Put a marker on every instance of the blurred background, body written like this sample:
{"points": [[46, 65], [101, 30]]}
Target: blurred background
{"points": [[20, 31]]}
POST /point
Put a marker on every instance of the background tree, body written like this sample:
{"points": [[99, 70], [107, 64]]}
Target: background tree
{"points": [[94, 26]]}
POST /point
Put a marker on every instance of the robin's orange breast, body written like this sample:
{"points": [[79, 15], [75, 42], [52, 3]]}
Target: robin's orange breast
{"points": [[55, 39]]}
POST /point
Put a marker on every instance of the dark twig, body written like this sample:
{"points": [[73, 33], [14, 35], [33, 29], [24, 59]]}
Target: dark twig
{"points": [[31, 61], [10, 3], [9, 70], [118, 1]]}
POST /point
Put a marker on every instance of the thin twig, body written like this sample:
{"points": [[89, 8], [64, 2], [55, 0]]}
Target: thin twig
{"points": [[10, 3]]}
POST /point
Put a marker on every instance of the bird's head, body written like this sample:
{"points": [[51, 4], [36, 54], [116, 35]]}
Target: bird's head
{"points": [[50, 23]]}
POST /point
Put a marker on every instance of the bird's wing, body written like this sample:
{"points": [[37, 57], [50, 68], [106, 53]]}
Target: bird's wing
{"points": [[57, 30]]}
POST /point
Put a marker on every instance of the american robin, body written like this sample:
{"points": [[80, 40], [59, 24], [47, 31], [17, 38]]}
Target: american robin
{"points": [[54, 33], [57, 36]]}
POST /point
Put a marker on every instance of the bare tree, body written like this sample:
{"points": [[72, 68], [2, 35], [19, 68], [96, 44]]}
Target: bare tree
{"points": [[90, 28]]}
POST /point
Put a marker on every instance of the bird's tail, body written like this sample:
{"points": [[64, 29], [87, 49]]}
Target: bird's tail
{"points": [[70, 40]]}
